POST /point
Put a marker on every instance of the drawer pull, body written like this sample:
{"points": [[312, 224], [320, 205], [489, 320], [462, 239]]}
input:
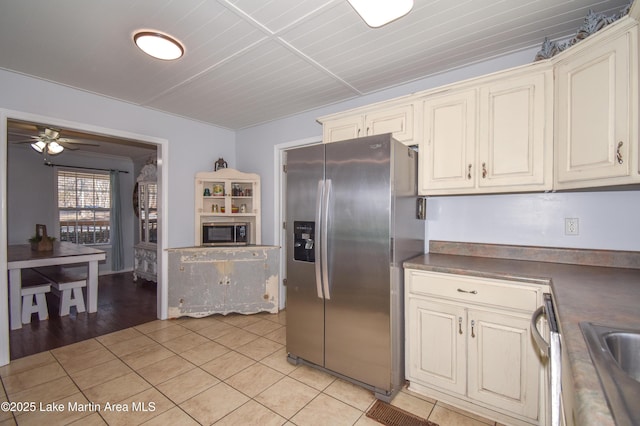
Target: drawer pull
{"points": [[469, 173], [467, 291], [473, 324], [460, 325]]}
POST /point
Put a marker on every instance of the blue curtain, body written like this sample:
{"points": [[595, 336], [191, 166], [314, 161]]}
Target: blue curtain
{"points": [[117, 251]]}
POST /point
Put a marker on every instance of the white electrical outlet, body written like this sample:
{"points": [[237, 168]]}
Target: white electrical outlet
{"points": [[571, 226]]}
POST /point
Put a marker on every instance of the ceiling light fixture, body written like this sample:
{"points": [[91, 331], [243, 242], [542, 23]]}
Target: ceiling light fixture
{"points": [[377, 13], [158, 45], [51, 148]]}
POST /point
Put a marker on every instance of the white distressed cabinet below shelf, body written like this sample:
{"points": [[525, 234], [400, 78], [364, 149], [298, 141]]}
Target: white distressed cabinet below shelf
{"points": [[221, 280], [468, 343]]}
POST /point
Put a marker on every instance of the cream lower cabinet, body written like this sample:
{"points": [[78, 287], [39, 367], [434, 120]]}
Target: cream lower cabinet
{"points": [[597, 110], [396, 119], [468, 343], [492, 135]]}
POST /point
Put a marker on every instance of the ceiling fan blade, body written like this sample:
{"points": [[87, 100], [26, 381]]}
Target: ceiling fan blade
{"points": [[25, 141], [70, 148], [64, 141], [28, 127]]}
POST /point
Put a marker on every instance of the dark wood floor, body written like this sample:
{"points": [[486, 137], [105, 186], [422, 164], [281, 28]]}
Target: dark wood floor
{"points": [[122, 303]]}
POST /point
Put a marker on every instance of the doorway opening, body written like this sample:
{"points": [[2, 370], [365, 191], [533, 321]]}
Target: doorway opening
{"points": [[85, 147]]}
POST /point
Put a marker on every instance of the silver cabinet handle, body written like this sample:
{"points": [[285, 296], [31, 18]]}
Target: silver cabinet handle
{"points": [[467, 291], [484, 170], [473, 324], [619, 153], [469, 172], [460, 325]]}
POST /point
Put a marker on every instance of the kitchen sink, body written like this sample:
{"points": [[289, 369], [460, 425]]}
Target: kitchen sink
{"points": [[616, 356]]}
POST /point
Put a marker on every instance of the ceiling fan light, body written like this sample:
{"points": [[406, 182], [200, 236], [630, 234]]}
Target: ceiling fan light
{"points": [[38, 146], [377, 13], [54, 148], [158, 45]]}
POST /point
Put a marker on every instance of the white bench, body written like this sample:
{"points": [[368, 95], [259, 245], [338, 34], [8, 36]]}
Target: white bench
{"points": [[67, 286], [33, 290]]}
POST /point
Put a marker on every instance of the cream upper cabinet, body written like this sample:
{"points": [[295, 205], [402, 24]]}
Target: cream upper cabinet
{"points": [[495, 135], [597, 110], [397, 119], [485, 361], [343, 128], [447, 153], [515, 133]]}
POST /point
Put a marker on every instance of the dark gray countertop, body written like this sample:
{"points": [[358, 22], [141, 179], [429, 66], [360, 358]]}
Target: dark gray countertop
{"points": [[601, 294]]}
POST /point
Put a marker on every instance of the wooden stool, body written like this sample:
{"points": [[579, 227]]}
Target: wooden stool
{"points": [[34, 301]]}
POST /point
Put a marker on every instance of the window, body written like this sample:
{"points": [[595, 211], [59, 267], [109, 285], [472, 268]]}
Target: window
{"points": [[84, 203]]}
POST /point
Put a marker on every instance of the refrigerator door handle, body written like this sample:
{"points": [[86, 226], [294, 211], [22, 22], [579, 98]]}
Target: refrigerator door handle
{"points": [[325, 243], [319, 240]]}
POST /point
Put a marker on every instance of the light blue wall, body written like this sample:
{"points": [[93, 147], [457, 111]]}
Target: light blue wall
{"points": [[192, 146], [608, 220]]}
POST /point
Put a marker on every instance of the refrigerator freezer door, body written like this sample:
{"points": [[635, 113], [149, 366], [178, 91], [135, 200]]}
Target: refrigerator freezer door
{"points": [[305, 303], [357, 314]]}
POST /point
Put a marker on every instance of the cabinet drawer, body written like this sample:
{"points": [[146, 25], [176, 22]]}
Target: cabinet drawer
{"points": [[464, 288]]}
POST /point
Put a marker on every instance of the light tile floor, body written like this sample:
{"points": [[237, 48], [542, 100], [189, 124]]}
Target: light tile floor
{"points": [[223, 370]]}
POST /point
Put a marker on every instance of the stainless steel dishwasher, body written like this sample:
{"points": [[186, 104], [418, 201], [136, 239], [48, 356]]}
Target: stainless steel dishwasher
{"points": [[551, 350]]}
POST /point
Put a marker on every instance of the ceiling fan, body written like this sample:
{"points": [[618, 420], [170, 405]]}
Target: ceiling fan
{"points": [[49, 141]]}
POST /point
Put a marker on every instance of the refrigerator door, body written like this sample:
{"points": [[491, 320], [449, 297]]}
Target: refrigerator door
{"points": [[357, 306], [305, 303]]}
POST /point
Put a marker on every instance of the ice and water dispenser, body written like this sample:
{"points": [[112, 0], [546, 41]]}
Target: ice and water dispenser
{"points": [[303, 241]]}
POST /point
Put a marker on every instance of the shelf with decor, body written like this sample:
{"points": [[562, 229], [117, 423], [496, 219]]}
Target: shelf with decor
{"points": [[227, 196]]}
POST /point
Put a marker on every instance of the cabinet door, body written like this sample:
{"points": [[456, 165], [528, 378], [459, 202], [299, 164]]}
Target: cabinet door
{"points": [[436, 344], [596, 95], [398, 121], [448, 148], [246, 290], [503, 366], [341, 129], [515, 149], [197, 288]]}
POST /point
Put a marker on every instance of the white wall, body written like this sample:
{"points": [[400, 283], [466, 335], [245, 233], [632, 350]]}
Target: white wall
{"points": [[31, 195], [192, 146], [608, 220]]}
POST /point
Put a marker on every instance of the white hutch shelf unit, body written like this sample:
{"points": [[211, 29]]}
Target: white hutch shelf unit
{"points": [[228, 195], [146, 250]]}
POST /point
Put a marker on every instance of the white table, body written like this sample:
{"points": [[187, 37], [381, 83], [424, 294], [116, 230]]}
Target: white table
{"points": [[21, 256]]}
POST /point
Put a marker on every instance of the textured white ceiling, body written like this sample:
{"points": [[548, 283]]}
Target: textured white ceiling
{"points": [[253, 61]]}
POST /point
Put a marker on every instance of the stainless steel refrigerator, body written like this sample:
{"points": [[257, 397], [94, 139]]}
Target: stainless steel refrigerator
{"points": [[351, 222]]}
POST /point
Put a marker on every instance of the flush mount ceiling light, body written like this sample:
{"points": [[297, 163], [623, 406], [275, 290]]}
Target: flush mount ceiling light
{"points": [[158, 45], [377, 13]]}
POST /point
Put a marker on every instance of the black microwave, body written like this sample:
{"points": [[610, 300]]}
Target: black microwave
{"points": [[225, 234]]}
